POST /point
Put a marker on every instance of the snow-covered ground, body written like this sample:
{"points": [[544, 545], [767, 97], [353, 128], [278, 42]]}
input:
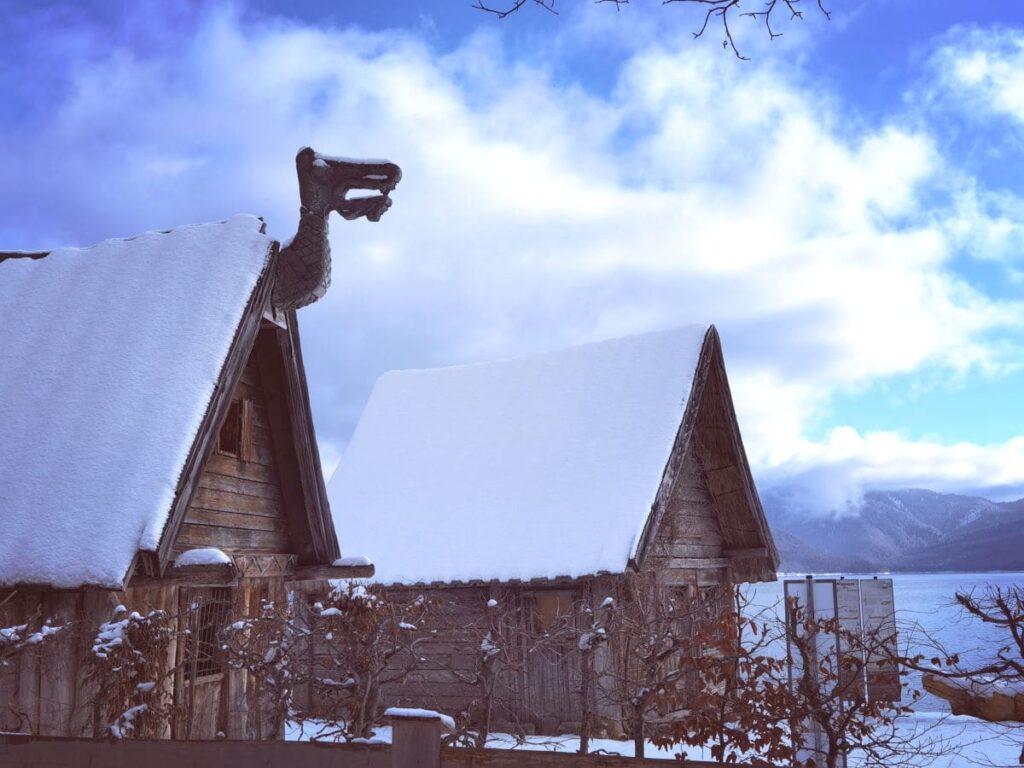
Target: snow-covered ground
{"points": [[979, 743], [312, 730]]}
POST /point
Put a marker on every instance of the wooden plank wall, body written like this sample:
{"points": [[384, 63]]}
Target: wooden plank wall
{"points": [[687, 543], [237, 506], [543, 696], [47, 684], [718, 456], [708, 517]]}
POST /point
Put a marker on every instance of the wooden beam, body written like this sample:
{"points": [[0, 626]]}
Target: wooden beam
{"points": [[697, 562], [322, 572], [744, 554], [274, 316], [321, 524], [220, 575]]}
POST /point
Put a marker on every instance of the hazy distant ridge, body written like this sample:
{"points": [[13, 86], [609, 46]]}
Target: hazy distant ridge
{"points": [[905, 530]]}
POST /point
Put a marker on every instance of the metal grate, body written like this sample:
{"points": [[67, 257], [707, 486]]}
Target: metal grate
{"points": [[207, 611]]}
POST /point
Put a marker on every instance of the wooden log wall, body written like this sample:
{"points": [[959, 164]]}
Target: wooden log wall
{"points": [[541, 695], [238, 506], [43, 689]]}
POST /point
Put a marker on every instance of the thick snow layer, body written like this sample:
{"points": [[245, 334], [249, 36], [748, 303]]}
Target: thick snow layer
{"points": [[108, 359], [202, 556], [351, 560], [530, 468], [400, 712]]}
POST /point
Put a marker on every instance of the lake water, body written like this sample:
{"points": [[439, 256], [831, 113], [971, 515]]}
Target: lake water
{"points": [[927, 600]]}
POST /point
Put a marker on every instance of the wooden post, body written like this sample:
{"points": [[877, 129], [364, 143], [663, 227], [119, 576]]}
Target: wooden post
{"points": [[415, 738]]}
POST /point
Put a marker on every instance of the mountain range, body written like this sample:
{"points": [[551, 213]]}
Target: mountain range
{"points": [[904, 530]]}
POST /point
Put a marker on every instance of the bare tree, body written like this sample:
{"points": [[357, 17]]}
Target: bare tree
{"points": [[829, 693], [264, 646], [737, 706], [30, 633], [655, 634], [698, 668], [592, 640], [366, 641], [1002, 608], [991, 689], [714, 11], [500, 642], [130, 669]]}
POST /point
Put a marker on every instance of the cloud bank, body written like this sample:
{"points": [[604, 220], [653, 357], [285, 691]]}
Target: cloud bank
{"points": [[536, 212]]}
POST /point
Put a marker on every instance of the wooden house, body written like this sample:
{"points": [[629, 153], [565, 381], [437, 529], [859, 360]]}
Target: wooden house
{"points": [[157, 449], [546, 482]]}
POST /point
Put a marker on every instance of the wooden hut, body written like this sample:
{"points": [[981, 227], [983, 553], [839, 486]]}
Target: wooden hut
{"points": [[158, 450], [546, 482]]}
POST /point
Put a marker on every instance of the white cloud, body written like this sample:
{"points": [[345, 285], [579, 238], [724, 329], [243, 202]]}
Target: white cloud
{"points": [[835, 472], [984, 67], [535, 214]]}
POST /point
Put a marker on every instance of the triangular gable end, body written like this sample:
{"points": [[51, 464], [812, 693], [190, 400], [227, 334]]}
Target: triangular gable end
{"points": [[273, 502], [707, 515]]}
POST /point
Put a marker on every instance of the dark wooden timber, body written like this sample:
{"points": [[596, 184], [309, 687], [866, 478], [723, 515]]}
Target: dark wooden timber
{"points": [[315, 572], [190, 575]]}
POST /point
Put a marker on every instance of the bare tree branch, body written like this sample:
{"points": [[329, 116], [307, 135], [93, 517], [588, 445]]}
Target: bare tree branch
{"points": [[501, 13], [719, 10]]}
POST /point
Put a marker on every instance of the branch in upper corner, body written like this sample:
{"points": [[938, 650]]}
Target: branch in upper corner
{"points": [[501, 13], [713, 8], [722, 9]]}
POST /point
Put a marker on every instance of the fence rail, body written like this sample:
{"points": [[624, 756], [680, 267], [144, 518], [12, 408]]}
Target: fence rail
{"points": [[410, 750]]}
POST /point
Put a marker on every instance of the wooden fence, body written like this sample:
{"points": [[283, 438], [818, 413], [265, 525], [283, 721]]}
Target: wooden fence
{"points": [[416, 745]]}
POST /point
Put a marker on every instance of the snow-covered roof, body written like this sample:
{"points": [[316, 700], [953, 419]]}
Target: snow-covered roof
{"points": [[531, 468], [108, 360]]}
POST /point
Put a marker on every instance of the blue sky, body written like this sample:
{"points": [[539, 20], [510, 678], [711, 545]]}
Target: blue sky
{"points": [[846, 206]]}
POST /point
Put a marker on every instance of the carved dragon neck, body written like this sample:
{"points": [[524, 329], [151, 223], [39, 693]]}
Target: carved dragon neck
{"points": [[304, 266]]}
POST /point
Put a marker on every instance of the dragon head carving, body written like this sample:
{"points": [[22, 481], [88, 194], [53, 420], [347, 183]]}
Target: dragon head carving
{"points": [[325, 185]]}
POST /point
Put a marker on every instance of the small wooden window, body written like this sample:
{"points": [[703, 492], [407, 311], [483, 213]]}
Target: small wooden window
{"points": [[235, 438], [206, 613], [550, 610]]}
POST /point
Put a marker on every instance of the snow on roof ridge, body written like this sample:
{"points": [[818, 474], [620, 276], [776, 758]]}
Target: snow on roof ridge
{"points": [[558, 351], [463, 459], [237, 218]]}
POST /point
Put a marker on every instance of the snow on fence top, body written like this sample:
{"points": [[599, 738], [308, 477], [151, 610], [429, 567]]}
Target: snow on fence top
{"points": [[538, 467], [108, 360]]}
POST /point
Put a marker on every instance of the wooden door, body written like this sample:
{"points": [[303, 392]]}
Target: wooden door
{"points": [[553, 678]]}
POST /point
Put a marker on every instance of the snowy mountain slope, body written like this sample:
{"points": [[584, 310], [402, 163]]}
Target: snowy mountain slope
{"points": [[911, 529]]}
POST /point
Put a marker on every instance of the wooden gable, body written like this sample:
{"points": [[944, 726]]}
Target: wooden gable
{"points": [[706, 525], [238, 505], [266, 496]]}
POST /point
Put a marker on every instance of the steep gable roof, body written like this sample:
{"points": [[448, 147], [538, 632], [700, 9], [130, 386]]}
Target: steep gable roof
{"points": [[531, 468], [109, 360]]}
